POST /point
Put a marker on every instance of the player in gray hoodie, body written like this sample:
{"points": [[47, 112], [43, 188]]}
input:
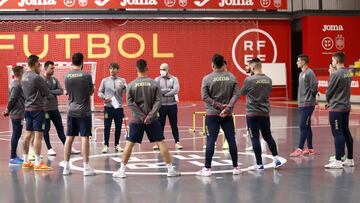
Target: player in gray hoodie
{"points": [[16, 110], [169, 86], [339, 105], [307, 92], [219, 91], [257, 88], [35, 91], [144, 100]]}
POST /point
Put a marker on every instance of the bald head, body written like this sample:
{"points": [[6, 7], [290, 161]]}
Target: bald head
{"points": [[164, 66]]}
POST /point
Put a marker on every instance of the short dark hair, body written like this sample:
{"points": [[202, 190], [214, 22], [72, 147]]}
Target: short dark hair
{"points": [[304, 58], [77, 59], [339, 56], [32, 60], [256, 62], [17, 70], [114, 66], [218, 60], [47, 64], [141, 65]]}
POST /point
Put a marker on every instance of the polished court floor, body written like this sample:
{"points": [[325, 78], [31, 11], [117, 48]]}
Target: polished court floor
{"points": [[301, 179]]}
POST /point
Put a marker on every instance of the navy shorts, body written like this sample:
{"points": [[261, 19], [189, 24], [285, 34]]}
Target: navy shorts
{"points": [[35, 121], [76, 125], [153, 131]]}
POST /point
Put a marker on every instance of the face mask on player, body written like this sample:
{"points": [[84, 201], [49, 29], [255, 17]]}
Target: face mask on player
{"points": [[163, 73]]}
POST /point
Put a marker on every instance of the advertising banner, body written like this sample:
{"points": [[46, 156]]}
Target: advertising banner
{"points": [[141, 4]]}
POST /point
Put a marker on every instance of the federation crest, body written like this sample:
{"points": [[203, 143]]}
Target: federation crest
{"points": [[340, 42], [183, 3], [83, 3], [277, 3]]}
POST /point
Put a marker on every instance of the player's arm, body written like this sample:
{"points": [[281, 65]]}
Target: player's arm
{"points": [[14, 94], [156, 106], [313, 84], [58, 89], [43, 88], [101, 91], [333, 84], [157, 102], [67, 85], [131, 103], [245, 88], [205, 95], [235, 96], [175, 89], [124, 86], [163, 91], [91, 85]]}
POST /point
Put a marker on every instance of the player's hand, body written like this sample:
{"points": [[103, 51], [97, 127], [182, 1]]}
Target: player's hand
{"points": [[223, 106], [331, 69], [225, 112], [147, 120]]}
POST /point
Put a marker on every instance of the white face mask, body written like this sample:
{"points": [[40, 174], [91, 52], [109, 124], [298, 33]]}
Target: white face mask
{"points": [[163, 73]]}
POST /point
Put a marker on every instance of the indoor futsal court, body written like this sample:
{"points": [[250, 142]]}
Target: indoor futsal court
{"points": [[300, 179], [231, 100]]}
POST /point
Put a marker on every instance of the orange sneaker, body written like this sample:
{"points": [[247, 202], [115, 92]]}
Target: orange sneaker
{"points": [[309, 151], [27, 165], [297, 152], [42, 167]]}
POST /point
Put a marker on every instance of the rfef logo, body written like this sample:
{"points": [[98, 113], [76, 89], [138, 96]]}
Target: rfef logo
{"points": [[253, 43]]}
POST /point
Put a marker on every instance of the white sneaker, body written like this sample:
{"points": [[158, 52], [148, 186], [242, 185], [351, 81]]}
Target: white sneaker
{"points": [[172, 172], [278, 164], [74, 151], [66, 171], [335, 165], [105, 149], [249, 148], [120, 173], [89, 172], [256, 168], [349, 163], [206, 172], [118, 148], [178, 146], [51, 152], [236, 171]]}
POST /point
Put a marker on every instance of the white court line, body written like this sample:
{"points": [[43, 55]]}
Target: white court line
{"points": [[77, 168]]}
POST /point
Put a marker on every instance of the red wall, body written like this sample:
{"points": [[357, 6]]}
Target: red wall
{"points": [[189, 46], [341, 34]]}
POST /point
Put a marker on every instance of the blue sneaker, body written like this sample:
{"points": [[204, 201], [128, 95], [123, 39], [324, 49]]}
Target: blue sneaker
{"points": [[278, 164], [256, 168], [16, 160]]}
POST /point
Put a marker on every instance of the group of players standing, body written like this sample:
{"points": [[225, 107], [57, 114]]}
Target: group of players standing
{"points": [[35, 98]]}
